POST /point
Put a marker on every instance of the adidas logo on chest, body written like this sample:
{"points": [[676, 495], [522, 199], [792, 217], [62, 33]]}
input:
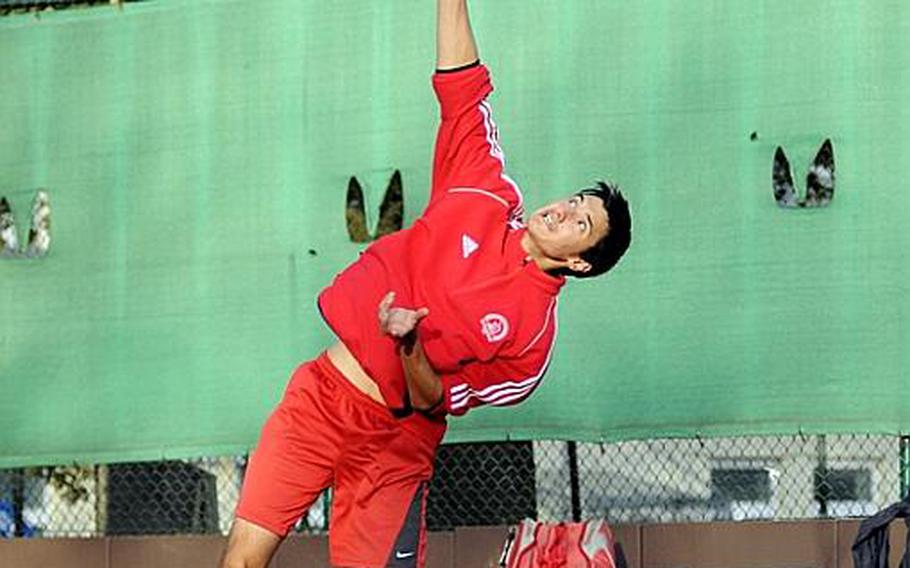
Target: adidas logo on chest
{"points": [[468, 245]]}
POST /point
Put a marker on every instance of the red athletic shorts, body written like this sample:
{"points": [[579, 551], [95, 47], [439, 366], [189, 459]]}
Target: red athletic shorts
{"points": [[325, 432]]}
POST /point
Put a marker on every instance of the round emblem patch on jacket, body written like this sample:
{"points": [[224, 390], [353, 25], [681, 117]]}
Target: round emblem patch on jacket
{"points": [[495, 327]]}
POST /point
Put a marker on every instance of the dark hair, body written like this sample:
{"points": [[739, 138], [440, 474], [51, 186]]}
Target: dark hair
{"points": [[605, 253]]}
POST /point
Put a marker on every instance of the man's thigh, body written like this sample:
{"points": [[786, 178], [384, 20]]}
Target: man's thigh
{"points": [[293, 461], [379, 505]]}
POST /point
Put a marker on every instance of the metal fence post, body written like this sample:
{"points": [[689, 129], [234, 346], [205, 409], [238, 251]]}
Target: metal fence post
{"points": [[905, 467], [18, 502], [573, 482], [822, 487]]}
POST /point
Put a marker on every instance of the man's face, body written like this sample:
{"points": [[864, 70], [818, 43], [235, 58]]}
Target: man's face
{"points": [[564, 229]]}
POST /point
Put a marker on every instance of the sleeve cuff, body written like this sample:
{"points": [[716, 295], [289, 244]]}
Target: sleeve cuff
{"points": [[475, 63]]}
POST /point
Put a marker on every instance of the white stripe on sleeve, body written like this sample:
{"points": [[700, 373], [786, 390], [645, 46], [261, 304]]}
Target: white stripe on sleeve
{"points": [[480, 191], [496, 150]]}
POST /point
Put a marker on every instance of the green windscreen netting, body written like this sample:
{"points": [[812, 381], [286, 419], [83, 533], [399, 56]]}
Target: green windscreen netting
{"points": [[196, 158]]}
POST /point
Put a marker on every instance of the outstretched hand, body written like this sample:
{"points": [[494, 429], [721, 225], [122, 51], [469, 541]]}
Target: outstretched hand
{"points": [[398, 322]]}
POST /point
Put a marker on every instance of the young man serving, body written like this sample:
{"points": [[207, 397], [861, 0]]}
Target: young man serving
{"points": [[466, 306]]}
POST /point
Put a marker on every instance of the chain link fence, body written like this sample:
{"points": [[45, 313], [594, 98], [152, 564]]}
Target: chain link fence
{"points": [[676, 480]]}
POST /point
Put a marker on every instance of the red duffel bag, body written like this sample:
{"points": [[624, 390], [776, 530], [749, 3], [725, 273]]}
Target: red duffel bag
{"points": [[560, 545]]}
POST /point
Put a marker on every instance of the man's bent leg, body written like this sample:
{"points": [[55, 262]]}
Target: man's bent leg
{"points": [[249, 546], [379, 505], [291, 465]]}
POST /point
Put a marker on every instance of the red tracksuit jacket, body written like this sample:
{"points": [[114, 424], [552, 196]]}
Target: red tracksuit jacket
{"points": [[492, 312]]}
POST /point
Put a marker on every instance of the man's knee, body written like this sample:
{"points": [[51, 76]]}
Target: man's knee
{"points": [[249, 546], [238, 562], [235, 561]]}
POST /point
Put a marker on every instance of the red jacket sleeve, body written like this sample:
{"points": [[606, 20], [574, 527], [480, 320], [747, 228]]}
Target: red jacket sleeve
{"points": [[468, 157], [503, 380]]}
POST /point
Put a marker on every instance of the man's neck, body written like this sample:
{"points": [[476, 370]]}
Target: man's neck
{"points": [[533, 254]]}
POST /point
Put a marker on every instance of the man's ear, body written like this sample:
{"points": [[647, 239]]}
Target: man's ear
{"points": [[578, 264]]}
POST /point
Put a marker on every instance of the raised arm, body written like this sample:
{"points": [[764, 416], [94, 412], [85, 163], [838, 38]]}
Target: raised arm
{"points": [[468, 157], [455, 45]]}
